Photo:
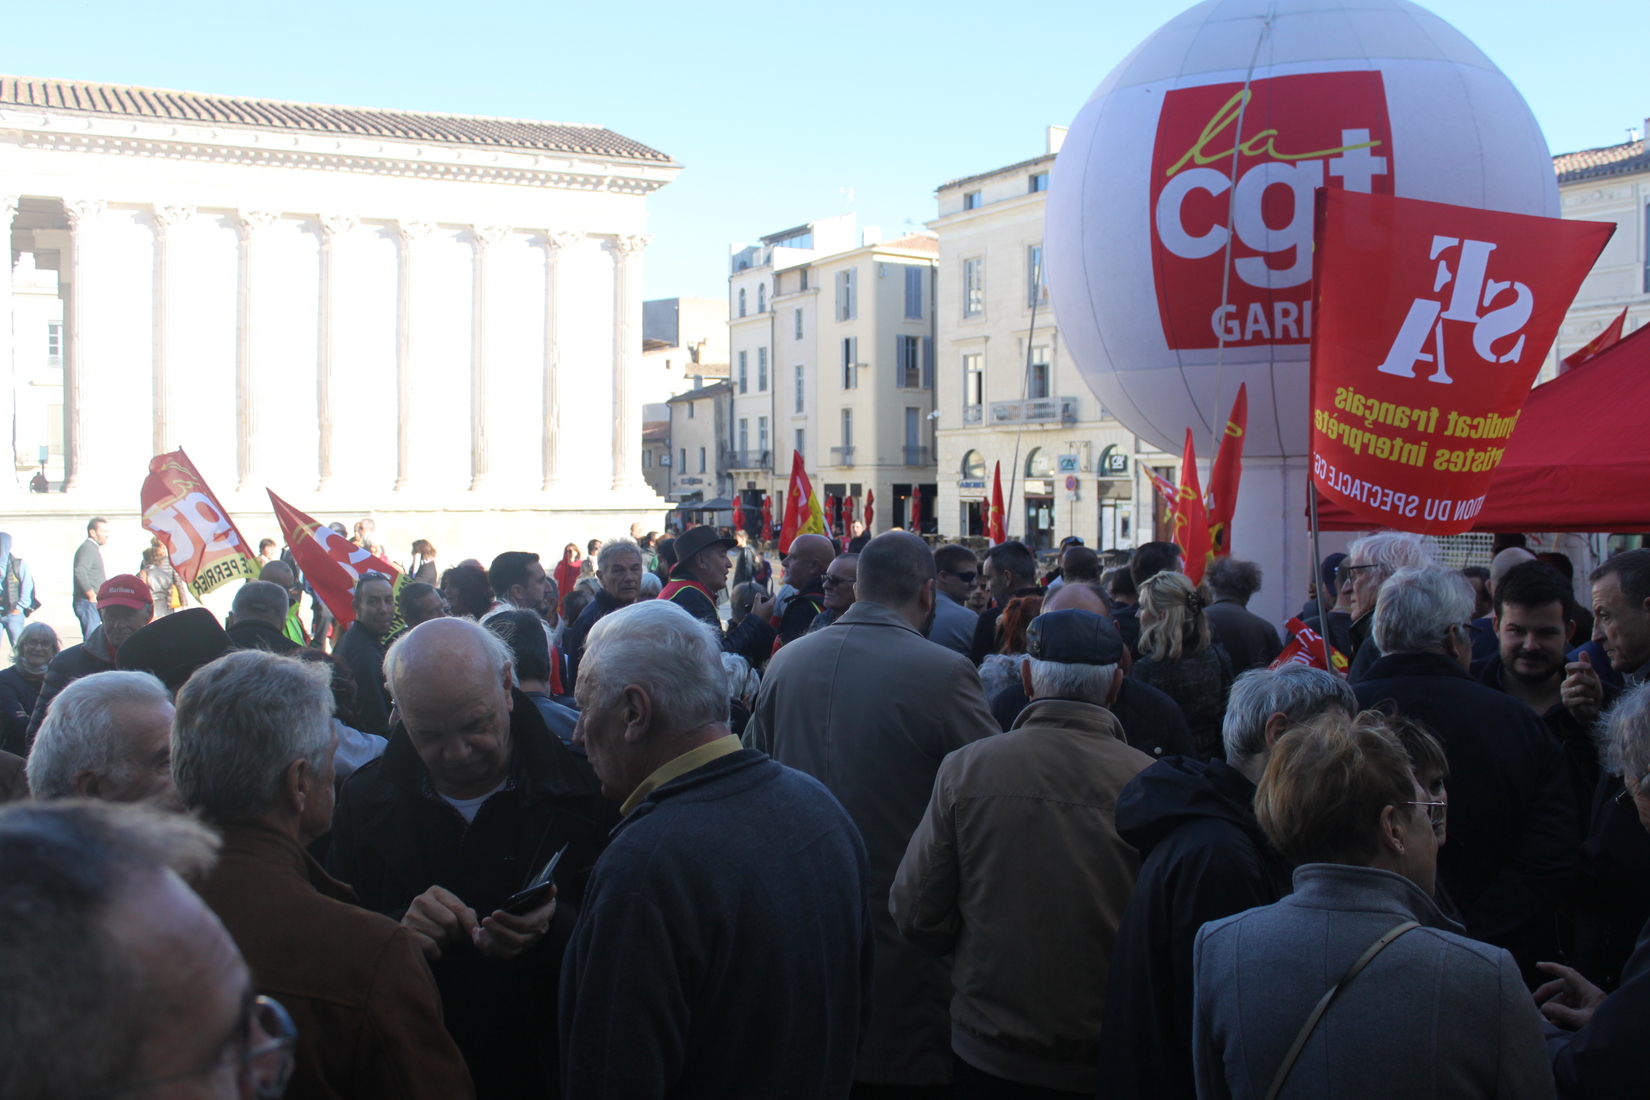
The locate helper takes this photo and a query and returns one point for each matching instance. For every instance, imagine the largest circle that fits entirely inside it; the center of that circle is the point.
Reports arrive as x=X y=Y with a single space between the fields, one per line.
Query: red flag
x=803 y=514
x=1602 y=342
x=1225 y=475
x=916 y=510
x=203 y=543
x=870 y=501
x=1191 y=519
x=331 y=563
x=1306 y=648
x=1431 y=323
x=739 y=511
x=767 y=518
x=996 y=524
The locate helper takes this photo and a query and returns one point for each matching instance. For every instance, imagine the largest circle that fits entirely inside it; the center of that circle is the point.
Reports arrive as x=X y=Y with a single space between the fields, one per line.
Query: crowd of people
x=870 y=819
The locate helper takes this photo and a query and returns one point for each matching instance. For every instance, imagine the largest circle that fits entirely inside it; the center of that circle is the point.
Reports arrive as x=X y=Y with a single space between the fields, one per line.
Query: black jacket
x=257 y=634
x=1513 y=840
x=364 y=654
x=393 y=838
x=1250 y=641
x=725 y=947
x=985 y=631
x=1606 y=1058
x=1127 y=618
x=17 y=696
x=1203 y=857
x=1611 y=900
x=572 y=642
x=1361 y=633
x=800 y=612
x=752 y=639
x=78 y=660
x=1152 y=722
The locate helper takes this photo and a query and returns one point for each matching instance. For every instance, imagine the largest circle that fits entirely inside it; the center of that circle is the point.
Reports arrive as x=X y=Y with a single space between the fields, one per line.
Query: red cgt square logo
x=1299 y=133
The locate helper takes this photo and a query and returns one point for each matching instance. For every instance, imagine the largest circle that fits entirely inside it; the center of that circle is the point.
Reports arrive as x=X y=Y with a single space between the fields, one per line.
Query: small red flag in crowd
x=996 y=524
x=1597 y=345
x=203 y=543
x=1191 y=519
x=1224 y=477
x=1306 y=648
x=870 y=500
x=767 y=518
x=331 y=563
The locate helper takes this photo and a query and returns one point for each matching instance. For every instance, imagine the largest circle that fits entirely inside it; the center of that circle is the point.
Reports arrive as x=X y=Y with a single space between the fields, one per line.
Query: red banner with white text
x=1432 y=322
x=203 y=543
x=331 y=563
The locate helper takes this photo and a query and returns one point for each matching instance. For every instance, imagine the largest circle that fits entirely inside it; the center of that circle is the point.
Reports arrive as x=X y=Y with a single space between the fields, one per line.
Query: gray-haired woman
x=1598 y=1041
x=20 y=684
x=1356 y=985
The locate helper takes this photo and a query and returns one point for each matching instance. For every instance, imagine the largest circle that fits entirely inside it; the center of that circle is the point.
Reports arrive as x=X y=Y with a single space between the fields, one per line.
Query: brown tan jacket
x=1017 y=871
x=367 y=1010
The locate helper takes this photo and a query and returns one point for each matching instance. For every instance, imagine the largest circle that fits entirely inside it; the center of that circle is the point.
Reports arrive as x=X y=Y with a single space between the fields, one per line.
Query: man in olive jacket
x=869 y=708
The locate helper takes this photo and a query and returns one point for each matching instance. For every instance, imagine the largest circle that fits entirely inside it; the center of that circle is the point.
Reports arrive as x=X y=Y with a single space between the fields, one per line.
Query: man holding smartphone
x=471 y=798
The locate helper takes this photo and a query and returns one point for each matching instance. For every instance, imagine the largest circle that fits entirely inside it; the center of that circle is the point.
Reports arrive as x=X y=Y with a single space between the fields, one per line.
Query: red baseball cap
x=124 y=591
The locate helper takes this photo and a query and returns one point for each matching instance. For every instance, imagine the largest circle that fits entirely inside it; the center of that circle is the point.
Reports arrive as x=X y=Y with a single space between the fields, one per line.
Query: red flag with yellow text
x=203 y=543
x=803 y=514
x=331 y=563
x=1191 y=518
x=1306 y=648
x=1225 y=475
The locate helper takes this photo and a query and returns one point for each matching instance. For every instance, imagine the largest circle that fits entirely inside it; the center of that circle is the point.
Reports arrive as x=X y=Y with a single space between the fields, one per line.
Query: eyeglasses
x=966 y=578
x=265 y=1057
x=1369 y=565
x=1625 y=798
x=1437 y=812
x=832 y=578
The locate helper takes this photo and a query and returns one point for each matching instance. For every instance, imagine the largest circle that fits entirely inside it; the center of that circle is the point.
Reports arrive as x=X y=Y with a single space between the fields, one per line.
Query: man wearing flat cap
x=697 y=580
x=1028 y=907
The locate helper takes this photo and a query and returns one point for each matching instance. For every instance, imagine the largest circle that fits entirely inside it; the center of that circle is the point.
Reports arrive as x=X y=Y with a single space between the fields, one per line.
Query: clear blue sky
x=773 y=108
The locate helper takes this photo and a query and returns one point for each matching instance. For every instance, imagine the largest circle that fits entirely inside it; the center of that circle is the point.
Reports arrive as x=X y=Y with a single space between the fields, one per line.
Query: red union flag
x=200 y=539
x=1432 y=323
x=331 y=563
x=1301 y=133
x=1306 y=648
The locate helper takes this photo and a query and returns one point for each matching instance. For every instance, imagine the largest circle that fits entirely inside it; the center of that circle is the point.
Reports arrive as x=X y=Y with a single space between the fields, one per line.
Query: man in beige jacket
x=1018 y=873
x=869 y=708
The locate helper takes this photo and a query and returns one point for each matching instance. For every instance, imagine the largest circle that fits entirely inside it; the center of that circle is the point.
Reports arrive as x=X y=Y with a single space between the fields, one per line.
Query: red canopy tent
x=1579 y=459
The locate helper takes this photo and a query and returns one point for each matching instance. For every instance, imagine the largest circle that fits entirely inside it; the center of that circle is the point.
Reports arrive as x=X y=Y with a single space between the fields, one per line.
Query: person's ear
x=637 y=711
x=509 y=682
x=297 y=784
x=1393 y=833
x=1276 y=724
x=87 y=784
x=1116 y=686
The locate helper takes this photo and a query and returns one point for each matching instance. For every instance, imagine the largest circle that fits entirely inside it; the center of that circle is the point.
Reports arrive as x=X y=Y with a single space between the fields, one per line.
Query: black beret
x=1074 y=638
x=174 y=646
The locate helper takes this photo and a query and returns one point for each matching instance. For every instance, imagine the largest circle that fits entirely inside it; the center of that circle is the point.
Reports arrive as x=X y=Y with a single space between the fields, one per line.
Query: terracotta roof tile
x=1610 y=160
x=508 y=133
x=916 y=242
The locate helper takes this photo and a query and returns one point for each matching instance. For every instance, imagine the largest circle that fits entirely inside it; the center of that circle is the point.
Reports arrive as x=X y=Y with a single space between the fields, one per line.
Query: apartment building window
x=914 y=362
x=743 y=370
x=913 y=294
x=1036 y=287
x=971 y=200
x=973 y=281
x=741 y=301
x=647 y=460
x=847 y=427
x=850 y=362
x=1039 y=181
x=744 y=434
x=762 y=434
x=701 y=460
x=801 y=442
x=799 y=387
x=54 y=344
x=973 y=380
x=761 y=297
x=846 y=293
x=913 y=436
x=1037 y=385
x=804 y=274
x=798 y=315
x=690 y=405
x=761 y=370
x=683 y=464
x=927 y=362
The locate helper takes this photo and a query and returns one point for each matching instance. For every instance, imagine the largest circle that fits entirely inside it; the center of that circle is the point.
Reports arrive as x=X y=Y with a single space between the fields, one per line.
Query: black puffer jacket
x=1203 y=857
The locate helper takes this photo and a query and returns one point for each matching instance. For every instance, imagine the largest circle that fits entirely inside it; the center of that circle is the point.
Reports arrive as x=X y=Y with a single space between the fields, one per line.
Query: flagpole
x=1317 y=569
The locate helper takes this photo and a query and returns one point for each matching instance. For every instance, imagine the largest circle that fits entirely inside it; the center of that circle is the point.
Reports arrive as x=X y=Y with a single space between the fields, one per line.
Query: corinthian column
x=555 y=462
x=167 y=218
x=8 y=373
x=83 y=216
x=486 y=236
x=409 y=234
x=627 y=351
x=247 y=453
x=333 y=226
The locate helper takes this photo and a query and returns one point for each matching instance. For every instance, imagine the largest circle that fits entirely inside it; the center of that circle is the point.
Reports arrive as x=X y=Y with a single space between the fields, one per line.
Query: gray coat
x=953 y=624
x=1435 y=1016
x=870 y=708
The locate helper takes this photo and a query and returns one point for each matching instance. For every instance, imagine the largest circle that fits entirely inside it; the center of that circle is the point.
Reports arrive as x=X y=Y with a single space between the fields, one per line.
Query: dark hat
x=699 y=538
x=174 y=646
x=1074 y=638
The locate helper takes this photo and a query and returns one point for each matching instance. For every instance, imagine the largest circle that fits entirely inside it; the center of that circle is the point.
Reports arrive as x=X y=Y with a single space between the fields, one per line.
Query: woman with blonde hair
x=1179 y=657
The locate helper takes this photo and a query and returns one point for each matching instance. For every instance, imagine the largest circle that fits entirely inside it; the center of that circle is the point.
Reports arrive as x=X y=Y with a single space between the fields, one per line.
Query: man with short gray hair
x=107 y=737
x=687 y=974
x=258 y=617
x=470 y=799
x=619 y=572
x=1369 y=562
x=1512 y=815
x=1251 y=641
x=870 y=708
x=1027 y=903
x=252 y=744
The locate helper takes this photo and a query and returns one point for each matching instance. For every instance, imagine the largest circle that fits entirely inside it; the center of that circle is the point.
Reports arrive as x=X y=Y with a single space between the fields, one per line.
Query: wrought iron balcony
x=918 y=456
x=1040 y=410
x=749 y=460
x=972 y=414
x=842 y=456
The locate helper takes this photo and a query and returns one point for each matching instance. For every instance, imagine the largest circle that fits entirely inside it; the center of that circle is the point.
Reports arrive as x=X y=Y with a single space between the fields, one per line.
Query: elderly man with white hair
x=470 y=800
x=1513 y=838
x=1369 y=562
x=252 y=748
x=725 y=944
x=1203 y=857
x=107 y=737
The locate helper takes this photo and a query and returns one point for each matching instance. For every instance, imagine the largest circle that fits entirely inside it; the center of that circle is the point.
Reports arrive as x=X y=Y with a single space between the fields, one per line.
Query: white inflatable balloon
x=1375 y=95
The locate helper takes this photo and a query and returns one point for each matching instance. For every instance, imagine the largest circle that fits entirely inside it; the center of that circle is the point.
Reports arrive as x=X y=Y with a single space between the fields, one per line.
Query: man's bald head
x=279 y=572
x=1077 y=596
x=807 y=559
x=433 y=656
x=451 y=681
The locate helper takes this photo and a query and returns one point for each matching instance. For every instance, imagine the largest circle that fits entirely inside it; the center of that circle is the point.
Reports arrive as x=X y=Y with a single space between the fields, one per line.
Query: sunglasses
x=966 y=578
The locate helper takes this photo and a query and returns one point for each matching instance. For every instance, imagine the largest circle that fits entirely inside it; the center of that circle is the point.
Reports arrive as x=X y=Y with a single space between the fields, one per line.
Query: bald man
x=1151 y=720
x=279 y=572
x=471 y=798
x=805 y=565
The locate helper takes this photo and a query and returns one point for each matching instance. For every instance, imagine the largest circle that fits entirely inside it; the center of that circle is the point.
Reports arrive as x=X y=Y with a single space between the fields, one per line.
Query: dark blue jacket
x=17 y=697
x=1605 y=1059
x=724 y=947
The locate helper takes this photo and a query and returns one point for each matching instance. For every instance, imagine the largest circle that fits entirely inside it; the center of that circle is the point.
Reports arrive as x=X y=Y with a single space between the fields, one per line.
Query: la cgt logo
x=1298 y=133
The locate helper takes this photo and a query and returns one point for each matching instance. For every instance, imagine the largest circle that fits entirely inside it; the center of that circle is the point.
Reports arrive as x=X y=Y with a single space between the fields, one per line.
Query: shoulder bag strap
x=1323 y=1004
